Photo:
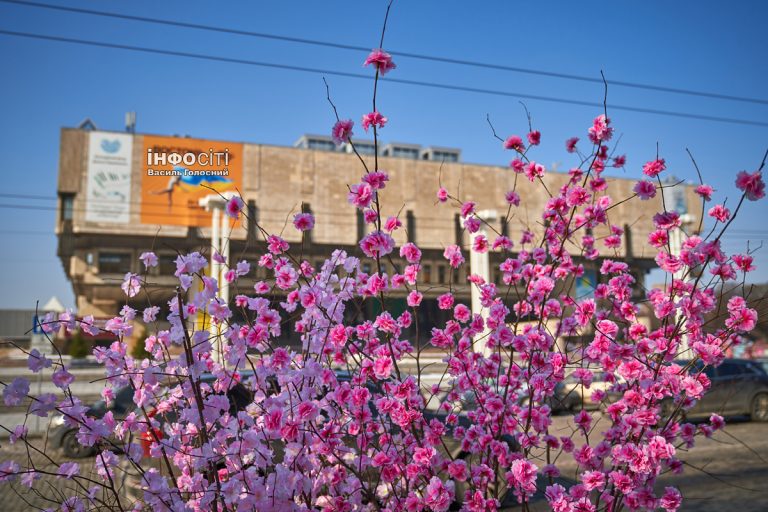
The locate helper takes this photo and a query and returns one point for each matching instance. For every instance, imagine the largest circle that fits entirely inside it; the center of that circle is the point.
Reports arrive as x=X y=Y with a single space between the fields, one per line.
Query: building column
x=479 y=264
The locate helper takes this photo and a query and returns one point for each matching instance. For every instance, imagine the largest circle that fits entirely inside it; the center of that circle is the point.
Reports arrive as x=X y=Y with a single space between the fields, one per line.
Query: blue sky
x=693 y=45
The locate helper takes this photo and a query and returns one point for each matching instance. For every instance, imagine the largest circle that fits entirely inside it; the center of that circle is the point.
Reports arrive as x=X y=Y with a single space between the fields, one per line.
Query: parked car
x=65 y=437
x=739 y=387
x=570 y=395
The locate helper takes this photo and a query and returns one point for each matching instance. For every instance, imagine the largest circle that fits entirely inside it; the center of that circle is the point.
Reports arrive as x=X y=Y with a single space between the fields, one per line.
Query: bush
x=78 y=347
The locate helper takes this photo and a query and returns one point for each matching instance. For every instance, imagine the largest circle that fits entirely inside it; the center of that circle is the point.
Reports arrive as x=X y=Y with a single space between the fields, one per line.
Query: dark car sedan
x=739 y=387
x=64 y=436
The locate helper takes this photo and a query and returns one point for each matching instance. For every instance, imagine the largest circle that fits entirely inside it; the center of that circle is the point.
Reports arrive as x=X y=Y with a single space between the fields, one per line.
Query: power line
x=433 y=58
x=434 y=85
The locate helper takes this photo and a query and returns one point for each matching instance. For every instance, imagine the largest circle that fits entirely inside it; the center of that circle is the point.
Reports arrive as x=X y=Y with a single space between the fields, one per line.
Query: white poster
x=108 y=196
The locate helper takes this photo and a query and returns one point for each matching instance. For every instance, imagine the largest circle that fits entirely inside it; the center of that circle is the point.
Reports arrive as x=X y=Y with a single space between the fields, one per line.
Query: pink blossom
x=131 y=284
x=534 y=137
x=342 y=131
x=381 y=60
x=370 y=216
x=534 y=170
x=303 y=221
x=392 y=223
x=376 y=179
x=467 y=208
x=570 y=144
x=705 y=191
x=719 y=212
x=234 y=206
x=453 y=254
x=442 y=195
x=445 y=301
x=600 y=131
x=514 y=142
x=512 y=198
x=480 y=244
x=382 y=367
x=360 y=195
x=654 y=167
x=373 y=119
x=620 y=161
x=744 y=262
x=276 y=245
x=752 y=185
x=414 y=298
x=522 y=476
x=410 y=252
x=671 y=500
x=149 y=259
x=377 y=244
x=437 y=495
x=645 y=189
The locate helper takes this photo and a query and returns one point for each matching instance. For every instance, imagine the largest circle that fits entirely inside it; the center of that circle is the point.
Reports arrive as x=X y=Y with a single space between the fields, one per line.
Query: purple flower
x=37 y=361
x=149 y=259
x=69 y=469
x=15 y=392
x=62 y=378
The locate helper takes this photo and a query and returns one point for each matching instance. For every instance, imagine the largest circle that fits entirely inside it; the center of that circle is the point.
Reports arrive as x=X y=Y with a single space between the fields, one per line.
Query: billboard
x=177 y=172
x=585 y=284
x=108 y=187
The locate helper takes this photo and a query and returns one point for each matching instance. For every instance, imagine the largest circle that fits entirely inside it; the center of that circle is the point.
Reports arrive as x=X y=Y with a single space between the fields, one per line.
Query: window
x=440 y=156
x=360 y=224
x=366 y=268
x=410 y=225
x=305 y=208
x=441 y=274
x=504 y=227
x=67 y=206
x=114 y=263
x=252 y=220
x=426 y=273
x=364 y=149
x=321 y=145
x=166 y=264
x=411 y=153
x=457 y=230
x=730 y=370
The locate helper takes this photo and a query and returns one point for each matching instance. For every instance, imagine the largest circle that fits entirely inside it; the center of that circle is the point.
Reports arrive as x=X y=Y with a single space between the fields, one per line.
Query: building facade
x=121 y=194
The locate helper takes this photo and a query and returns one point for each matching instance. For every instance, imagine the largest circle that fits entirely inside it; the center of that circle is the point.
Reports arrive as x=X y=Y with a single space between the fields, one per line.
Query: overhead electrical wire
x=434 y=85
x=412 y=55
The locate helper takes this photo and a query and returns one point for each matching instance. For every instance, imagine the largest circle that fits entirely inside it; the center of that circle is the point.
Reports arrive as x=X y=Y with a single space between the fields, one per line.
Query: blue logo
x=110 y=146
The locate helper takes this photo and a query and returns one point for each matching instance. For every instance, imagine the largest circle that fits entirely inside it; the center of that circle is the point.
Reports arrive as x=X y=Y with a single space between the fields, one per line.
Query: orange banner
x=178 y=172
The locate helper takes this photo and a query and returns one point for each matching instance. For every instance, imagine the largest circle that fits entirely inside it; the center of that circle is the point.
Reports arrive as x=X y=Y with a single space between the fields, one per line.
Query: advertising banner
x=108 y=189
x=177 y=172
x=586 y=284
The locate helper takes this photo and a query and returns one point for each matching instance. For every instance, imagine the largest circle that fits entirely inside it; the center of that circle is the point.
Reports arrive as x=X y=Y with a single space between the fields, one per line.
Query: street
x=732 y=471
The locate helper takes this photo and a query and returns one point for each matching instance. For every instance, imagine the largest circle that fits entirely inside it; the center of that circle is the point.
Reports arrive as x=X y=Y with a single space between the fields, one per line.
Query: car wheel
x=759 y=411
x=72 y=447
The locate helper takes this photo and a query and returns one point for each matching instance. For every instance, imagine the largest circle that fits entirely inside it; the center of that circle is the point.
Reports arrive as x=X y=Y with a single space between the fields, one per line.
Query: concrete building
x=114 y=206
